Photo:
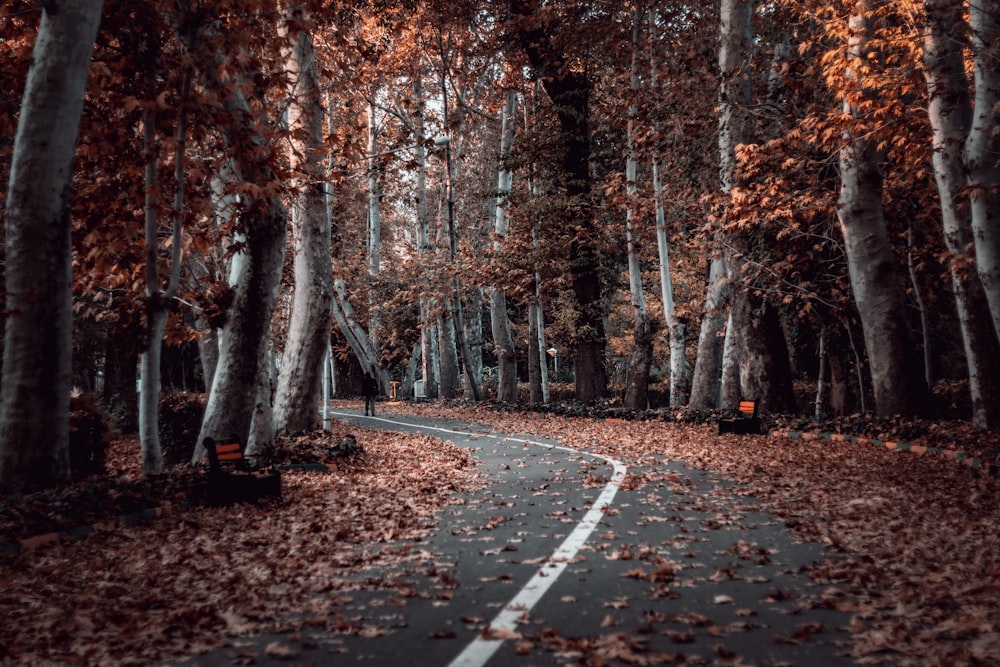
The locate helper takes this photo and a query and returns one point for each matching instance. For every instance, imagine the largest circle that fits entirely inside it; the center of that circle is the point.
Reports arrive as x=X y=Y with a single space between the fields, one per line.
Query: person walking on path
x=369 y=389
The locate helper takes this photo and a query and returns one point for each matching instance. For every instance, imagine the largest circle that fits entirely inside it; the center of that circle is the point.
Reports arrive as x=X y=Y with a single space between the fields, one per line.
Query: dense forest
x=659 y=203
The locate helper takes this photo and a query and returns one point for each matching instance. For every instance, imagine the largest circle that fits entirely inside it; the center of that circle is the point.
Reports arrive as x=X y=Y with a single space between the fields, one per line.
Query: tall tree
x=896 y=380
x=758 y=342
x=158 y=298
x=34 y=413
x=543 y=35
x=983 y=146
x=298 y=391
x=242 y=373
x=500 y=324
x=641 y=357
x=950 y=114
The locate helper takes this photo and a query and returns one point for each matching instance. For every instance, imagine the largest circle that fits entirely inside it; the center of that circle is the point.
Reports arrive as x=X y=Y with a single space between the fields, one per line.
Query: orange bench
x=744 y=422
x=231 y=479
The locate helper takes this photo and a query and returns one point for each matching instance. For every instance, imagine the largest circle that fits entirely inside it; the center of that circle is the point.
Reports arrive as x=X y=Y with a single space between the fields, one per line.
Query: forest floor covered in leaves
x=914 y=540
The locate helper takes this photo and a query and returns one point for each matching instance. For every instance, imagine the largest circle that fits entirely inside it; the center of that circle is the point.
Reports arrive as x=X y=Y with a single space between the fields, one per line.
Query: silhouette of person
x=369 y=389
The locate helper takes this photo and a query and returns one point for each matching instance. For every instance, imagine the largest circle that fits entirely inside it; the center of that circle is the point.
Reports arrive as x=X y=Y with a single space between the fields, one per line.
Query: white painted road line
x=504 y=625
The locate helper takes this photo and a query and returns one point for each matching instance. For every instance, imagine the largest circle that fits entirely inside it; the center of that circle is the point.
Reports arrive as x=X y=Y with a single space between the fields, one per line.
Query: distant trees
x=608 y=167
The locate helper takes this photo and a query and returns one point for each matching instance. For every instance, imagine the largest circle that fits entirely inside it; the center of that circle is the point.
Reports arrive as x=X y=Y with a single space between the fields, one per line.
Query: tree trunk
x=411 y=370
x=428 y=328
x=449 y=380
x=765 y=372
x=569 y=91
x=157 y=300
x=705 y=383
x=761 y=354
x=504 y=345
x=500 y=324
x=680 y=377
x=822 y=378
x=208 y=351
x=643 y=330
x=950 y=115
x=456 y=307
x=299 y=383
x=982 y=148
x=234 y=394
x=474 y=339
x=730 y=391
x=431 y=367
x=34 y=415
x=260 y=440
x=359 y=341
x=535 y=360
x=897 y=382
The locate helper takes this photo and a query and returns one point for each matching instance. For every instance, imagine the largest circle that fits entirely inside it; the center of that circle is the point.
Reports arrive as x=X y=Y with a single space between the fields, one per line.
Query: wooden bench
x=231 y=479
x=744 y=422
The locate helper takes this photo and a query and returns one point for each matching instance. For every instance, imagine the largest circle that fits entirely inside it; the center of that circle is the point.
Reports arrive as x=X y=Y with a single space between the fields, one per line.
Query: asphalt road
x=564 y=557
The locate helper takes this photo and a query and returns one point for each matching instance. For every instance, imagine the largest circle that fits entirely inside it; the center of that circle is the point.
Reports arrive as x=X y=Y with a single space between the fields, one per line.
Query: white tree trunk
x=730 y=392
x=428 y=329
x=454 y=305
x=34 y=415
x=299 y=382
x=680 y=371
x=897 y=382
x=950 y=115
x=680 y=378
x=537 y=313
x=499 y=321
x=157 y=300
x=474 y=336
x=357 y=338
x=705 y=383
x=234 y=395
x=641 y=357
x=982 y=148
x=709 y=384
x=450 y=381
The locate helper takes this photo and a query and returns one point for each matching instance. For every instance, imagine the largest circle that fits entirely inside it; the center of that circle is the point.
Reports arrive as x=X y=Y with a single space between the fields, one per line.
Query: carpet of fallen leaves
x=914 y=540
x=177 y=584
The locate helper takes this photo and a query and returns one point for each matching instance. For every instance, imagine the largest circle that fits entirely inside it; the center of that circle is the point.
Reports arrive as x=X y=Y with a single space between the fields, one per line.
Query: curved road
x=563 y=556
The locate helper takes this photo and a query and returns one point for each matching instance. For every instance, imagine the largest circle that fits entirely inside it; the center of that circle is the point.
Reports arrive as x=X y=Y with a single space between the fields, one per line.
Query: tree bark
x=234 y=395
x=643 y=330
x=157 y=300
x=359 y=341
x=761 y=354
x=680 y=376
x=474 y=339
x=299 y=382
x=569 y=91
x=705 y=383
x=499 y=322
x=34 y=414
x=449 y=381
x=428 y=328
x=982 y=148
x=950 y=114
x=535 y=360
x=896 y=380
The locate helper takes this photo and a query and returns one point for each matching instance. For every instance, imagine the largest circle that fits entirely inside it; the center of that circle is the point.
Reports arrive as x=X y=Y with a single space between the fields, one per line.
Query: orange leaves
x=184 y=581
